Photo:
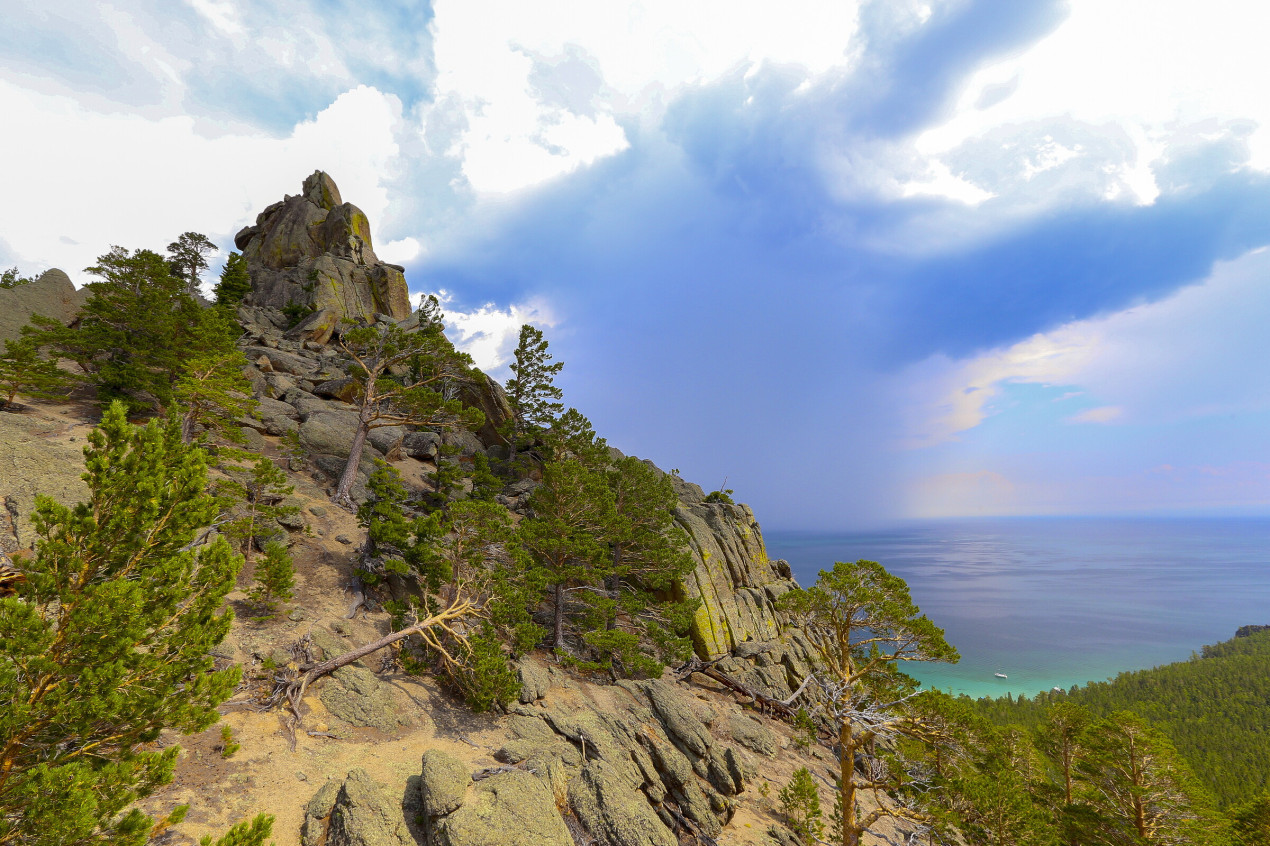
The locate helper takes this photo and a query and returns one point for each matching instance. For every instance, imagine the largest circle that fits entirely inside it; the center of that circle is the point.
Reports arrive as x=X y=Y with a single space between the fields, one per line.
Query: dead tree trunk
x=430 y=629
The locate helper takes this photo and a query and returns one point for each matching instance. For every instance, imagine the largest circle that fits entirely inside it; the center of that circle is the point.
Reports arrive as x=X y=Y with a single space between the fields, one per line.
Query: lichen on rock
x=314 y=251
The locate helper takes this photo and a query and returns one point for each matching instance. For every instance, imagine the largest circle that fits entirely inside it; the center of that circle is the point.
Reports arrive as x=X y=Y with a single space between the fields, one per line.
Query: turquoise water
x=1061 y=601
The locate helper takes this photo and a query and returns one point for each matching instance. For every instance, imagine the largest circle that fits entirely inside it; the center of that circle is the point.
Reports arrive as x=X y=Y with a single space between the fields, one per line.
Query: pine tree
x=1060 y=738
x=468 y=546
x=648 y=555
x=274 y=577
x=255 y=497
x=421 y=396
x=398 y=541
x=531 y=391
x=213 y=394
x=1140 y=787
x=235 y=282
x=108 y=641
x=12 y=278
x=571 y=511
x=862 y=622
x=187 y=256
x=800 y=802
x=137 y=330
x=24 y=372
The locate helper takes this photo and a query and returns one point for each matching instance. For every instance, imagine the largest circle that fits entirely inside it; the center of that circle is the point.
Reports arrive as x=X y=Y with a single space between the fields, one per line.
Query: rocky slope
x=388 y=759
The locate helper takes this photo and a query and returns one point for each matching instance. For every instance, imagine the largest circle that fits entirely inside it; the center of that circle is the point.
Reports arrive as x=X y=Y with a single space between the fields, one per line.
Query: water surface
x=1061 y=601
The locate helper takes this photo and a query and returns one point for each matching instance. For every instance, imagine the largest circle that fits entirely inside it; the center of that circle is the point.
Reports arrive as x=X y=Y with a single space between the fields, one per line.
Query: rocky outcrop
x=650 y=764
x=52 y=295
x=737 y=583
x=356 y=812
x=303 y=387
x=37 y=456
x=314 y=250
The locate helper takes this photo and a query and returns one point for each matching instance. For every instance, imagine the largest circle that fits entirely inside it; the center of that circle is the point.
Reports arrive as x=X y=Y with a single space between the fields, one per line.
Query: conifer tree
x=648 y=553
x=213 y=393
x=468 y=546
x=422 y=396
x=1060 y=738
x=12 y=278
x=1142 y=790
x=571 y=512
x=274 y=577
x=256 y=497
x=137 y=330
x=235 y=282
x=800 y=802
x=24 y=372
x=862 y=622
x=107 y=642
x=187 y=256
x=397 y=541
x=531 y=391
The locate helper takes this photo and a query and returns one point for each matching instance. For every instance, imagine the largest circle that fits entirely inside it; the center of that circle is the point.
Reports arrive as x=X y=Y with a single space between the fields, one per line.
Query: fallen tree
x=444 y=632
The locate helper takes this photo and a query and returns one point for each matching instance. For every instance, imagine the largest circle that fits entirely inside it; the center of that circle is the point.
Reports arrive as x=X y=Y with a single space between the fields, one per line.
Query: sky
x=858 y=262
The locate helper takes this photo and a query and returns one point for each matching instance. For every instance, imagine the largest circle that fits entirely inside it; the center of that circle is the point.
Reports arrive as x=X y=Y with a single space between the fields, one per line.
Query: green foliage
x=296 y=312
x=138 y=330
x=23 y=371
x=424 y=396
x=213 y=393
x=485 y=482
x=398 y=542
x=862 y=624
x=1212 y=708
x=12 y=278
x=571 y=510
x=471 y=545
x=724 y=496
x=235 y=282
x=806 y=734
x=187 y=256
x=274 y=577
x=800 y=802
x=253 y=498
x=1252 y=822
x=254 y=833
x=485 y=679
x=531 y=391
x=228 y=746
x=117 y=615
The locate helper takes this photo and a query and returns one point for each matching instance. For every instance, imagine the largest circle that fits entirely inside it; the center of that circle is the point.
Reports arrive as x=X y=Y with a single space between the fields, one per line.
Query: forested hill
x=1214 y=707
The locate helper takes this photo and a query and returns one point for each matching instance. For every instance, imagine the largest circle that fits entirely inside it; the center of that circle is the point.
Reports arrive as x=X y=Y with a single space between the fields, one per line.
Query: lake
x=1060 y=601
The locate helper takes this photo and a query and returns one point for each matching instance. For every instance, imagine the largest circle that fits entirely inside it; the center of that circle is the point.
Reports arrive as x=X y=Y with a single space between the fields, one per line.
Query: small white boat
x=1001 y=675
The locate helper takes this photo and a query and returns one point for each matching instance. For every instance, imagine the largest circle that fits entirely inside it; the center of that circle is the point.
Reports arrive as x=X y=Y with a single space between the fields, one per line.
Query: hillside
x=1213 y=707
x=576 y=757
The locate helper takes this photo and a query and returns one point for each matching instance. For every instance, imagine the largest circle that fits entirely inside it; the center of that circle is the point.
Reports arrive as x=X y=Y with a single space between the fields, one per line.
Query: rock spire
x=314 y=250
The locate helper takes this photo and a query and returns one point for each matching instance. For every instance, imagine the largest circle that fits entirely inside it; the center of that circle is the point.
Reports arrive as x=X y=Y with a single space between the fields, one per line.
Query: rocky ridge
x=649 y=762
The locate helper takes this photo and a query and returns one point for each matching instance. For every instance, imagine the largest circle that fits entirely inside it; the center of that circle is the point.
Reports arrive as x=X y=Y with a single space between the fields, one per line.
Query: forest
x=1212 y=707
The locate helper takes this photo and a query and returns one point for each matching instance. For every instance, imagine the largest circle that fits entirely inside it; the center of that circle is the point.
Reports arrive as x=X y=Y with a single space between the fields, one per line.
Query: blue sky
x=863 y=261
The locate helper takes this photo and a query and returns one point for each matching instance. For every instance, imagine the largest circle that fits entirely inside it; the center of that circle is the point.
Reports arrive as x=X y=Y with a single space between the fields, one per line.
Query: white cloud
x=1202 y=351
x=1144 y=70
x=541 y=87
x=91 y=179
x=220 y=14
x=489 y=334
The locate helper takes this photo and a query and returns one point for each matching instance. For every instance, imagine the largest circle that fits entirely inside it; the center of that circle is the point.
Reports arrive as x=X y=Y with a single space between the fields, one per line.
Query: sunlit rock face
x=313 y=251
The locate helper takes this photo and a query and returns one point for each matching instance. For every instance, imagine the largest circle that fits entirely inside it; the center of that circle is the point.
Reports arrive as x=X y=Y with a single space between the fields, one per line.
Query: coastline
x=1060 y=601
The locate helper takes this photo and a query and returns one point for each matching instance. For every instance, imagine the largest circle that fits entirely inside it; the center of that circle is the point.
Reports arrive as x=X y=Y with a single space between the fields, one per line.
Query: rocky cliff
x=314 y=251
x=52 y=295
